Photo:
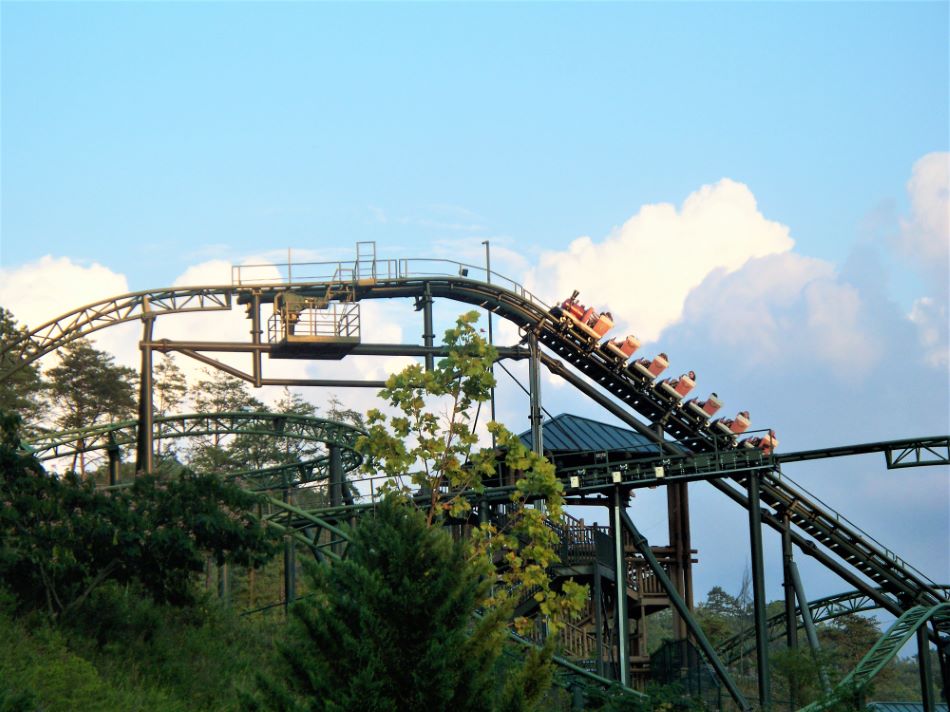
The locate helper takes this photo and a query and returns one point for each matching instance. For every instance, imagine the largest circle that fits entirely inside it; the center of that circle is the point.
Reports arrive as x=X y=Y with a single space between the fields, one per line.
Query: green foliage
x=87 y=388
x=40 y=672
x=122 y=652
x=20 y=392
x=391 y=626
x=60 y=538
x=169 y=386
x=428 y=452
x=429 y=448
x=201 y=655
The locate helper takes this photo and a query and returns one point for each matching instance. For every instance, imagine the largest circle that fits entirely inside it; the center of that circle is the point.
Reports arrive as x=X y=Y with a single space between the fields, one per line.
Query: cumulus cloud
x=644 y=270
x=924 y=238
x=781 y=309
x=925 y=234
x=933 y=329
x=41 y=291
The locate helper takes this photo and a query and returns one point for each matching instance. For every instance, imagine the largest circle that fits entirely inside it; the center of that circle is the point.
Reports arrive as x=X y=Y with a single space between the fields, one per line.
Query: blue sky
x=154 y=138
x=150 y=131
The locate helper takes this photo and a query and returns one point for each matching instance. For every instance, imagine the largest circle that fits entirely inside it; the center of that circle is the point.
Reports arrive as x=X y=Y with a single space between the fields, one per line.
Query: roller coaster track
x=822 y=609
x=276 y=425
x=902 y=586
x=684 y=433
x=883 y=652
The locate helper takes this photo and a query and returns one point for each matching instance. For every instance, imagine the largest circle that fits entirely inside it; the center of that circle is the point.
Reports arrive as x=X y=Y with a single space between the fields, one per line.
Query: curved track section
x=822 y=609
x=275 y=425
x=882 y=653
x=127 y=307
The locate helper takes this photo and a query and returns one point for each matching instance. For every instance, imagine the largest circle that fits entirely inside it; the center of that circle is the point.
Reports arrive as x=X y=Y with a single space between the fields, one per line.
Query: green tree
x=169 y=385
x=87 y=388
x=340 y=413
x=391 y=626
x=428 y=451
x=223 y=393
x=21 y=391
x=60 y=538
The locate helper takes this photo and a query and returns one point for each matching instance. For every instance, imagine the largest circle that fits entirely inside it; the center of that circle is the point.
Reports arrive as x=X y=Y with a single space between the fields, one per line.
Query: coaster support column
x=144 y=446
x=534 y=378
x=758 y=593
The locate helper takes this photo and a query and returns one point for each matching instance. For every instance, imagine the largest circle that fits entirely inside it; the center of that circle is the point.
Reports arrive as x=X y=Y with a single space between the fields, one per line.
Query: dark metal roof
x=566 y=432
x=903 y=707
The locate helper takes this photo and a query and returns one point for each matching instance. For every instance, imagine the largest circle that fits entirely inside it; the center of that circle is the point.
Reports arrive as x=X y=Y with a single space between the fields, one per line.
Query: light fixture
x=658 y=472
x=616 y=476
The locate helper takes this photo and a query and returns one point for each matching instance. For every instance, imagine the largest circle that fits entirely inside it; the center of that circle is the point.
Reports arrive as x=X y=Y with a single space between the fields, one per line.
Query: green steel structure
x=821 y=609
x=883 y=651
x=315 y=315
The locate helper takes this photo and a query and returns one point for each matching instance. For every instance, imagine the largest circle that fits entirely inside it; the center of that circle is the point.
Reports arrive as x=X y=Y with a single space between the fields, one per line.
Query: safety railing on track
x=295 y=273
x=788 y=488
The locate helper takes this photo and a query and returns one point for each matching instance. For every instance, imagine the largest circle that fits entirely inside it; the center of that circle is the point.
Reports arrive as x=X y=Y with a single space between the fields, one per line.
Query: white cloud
x=784 y=311
x=925 y=235
x=931 y=319
x=924 y=238
x=644 y=270
x=214 y=272
x=41 y=291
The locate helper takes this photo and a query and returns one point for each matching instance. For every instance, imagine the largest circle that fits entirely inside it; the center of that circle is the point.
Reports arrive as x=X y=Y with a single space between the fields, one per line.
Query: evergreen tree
x=87 y=388
x=169 y=386
x=20 y=391
x=391 y=627
x=223 y=393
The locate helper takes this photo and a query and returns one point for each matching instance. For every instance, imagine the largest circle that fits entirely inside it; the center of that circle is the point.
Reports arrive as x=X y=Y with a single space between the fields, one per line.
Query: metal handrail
x=297 y=273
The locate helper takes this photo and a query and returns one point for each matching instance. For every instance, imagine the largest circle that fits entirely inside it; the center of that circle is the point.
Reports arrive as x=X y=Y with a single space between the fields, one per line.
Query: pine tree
x=391 y=627
x=20 y=392
x=87 y=388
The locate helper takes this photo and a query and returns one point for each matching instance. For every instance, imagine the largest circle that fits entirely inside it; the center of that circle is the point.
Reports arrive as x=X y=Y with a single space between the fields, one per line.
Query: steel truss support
x=144 y=445
x=788 y=560
x=788 y=587
x=290 y=554
x=677 y=499
x=428 y=335
x=596 y=601
x=923 y=665
x=534 y=382
x=758 y=593
x=336 y=484
x=643 y=546
x=255 y=312
x=621 y=618
x=943 y=658
x=115 y=460
x=811 y=633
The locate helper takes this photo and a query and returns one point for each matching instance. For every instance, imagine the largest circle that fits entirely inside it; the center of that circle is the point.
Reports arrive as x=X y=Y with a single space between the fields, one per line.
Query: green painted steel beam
x=909 y=452
x=882 y=652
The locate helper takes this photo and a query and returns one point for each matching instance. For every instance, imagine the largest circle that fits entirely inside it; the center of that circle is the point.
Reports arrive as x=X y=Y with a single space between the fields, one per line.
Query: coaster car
x=650 y=369
x=733 y=427
x=587 y=320
x=621 y=350
x=767 y=443
x=705 y=409
x=679 y=387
